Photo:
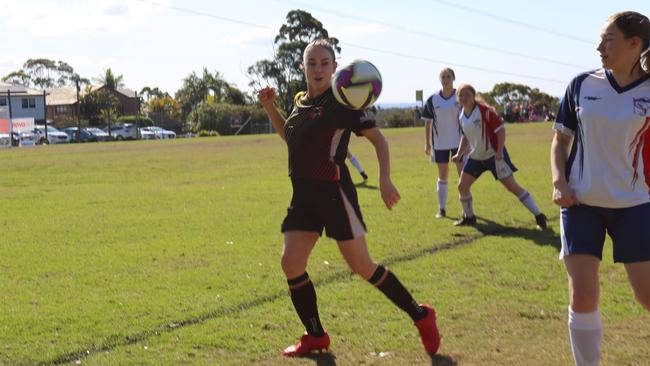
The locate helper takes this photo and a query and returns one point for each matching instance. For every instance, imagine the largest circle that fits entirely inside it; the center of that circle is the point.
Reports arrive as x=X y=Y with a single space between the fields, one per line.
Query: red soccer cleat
x=307 y=344
x=429 y=331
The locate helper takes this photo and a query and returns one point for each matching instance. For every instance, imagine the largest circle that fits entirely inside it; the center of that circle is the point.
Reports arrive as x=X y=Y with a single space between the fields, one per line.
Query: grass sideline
x=167 y=252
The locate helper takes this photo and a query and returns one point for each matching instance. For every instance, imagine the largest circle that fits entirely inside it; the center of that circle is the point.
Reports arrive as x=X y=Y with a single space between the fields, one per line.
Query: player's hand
x=427 y=149
x=266 y=96
x=564 y=196
x=456 y=158
x=389 y=193
x=498 y=155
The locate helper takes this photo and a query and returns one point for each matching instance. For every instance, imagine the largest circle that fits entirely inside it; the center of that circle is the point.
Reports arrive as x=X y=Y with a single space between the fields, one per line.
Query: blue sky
x=159 y=42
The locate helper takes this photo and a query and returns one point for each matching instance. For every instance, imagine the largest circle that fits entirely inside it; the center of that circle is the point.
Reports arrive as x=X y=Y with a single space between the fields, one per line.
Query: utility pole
x=76 y=81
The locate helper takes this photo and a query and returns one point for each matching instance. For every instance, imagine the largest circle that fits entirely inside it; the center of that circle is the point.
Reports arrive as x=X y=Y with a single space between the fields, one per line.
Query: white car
x=160 y=132
x=99 y=133
x=5 y=140
x=147 y=135
x=126 y=131
x=54 y=136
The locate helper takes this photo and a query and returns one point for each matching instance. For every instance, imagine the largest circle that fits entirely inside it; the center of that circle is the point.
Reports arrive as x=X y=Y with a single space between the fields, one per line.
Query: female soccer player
x=600 y=162
x=484 y=136
x=442 y=133
x=317 y=133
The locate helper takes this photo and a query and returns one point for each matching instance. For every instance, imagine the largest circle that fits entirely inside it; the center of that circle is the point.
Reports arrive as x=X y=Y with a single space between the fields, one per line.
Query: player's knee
x=365 y=269
x=292 y=266
x=584 y=299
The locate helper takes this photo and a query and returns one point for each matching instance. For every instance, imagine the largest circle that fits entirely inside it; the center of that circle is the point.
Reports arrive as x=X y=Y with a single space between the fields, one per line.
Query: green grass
x=168 y=253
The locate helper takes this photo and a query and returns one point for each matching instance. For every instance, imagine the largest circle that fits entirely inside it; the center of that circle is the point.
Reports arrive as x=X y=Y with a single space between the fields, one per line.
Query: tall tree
x=111 y=83
x=43 y=73
x=283 y=71
x=207 y=88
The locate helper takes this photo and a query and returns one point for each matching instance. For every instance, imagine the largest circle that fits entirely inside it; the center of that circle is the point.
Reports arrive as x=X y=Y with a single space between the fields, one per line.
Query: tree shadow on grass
x=322 y=359
x=442 y=360
x=541 y=237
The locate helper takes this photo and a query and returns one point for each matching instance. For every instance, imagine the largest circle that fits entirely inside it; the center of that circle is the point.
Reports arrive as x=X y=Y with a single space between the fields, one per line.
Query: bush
x=143 y=120
x=226 y=118
x=206 y=133
x=396 y=117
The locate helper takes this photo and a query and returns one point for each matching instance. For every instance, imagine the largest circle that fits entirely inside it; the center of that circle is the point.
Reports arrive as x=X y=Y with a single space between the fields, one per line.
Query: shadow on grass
x=322 y=359
x=484 y=227
x=442 y=360
x=541 y=237
x=365 y=185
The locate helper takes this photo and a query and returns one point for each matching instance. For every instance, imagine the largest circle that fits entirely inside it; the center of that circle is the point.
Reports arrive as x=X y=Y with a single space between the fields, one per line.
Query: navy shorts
x=583 y=229
x=317 y=204
x=442 y=156
x=476 y=167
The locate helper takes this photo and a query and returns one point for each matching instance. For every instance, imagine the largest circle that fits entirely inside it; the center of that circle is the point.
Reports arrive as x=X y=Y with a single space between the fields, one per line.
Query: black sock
x=303 y=296
x=387 y=283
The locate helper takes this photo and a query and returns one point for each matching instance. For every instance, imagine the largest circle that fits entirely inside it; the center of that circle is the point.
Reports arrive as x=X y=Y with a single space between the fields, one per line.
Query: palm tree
x=111 y=83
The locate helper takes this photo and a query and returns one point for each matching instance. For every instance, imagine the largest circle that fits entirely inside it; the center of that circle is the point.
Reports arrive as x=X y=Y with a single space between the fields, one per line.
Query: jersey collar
x=619 y=90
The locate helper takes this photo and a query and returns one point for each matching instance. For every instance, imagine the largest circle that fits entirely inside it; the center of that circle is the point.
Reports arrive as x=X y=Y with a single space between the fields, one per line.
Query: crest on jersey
x=316 y=112
x=642 y=106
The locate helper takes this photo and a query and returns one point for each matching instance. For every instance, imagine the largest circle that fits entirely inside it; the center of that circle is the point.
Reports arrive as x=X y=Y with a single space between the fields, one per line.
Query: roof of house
x=18 y=90
x=68 y=96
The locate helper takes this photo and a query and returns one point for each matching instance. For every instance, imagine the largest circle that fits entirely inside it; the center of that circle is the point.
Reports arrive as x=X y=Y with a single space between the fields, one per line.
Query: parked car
x=125 y=131
x=160 y=132
x=24 y=139
x=54 y=136
x=99 y=133
x=147 y=135
x=77 y=135
x=5 y=140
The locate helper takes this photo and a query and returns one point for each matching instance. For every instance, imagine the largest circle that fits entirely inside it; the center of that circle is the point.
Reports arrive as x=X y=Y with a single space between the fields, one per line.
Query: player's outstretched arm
x=267 y=96
x=389 y=192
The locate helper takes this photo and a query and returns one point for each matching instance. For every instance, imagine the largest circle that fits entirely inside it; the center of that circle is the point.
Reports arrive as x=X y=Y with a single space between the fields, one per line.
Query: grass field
x=167 y=252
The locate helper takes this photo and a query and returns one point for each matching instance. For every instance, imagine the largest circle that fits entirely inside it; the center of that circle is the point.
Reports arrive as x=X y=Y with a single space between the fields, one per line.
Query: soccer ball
x=357 y=85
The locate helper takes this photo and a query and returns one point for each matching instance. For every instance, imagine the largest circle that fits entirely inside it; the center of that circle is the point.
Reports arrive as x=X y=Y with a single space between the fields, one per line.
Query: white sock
x=355 y=162
x=466 y=203
x=442 y=194
x=529 y=202
x=586 y=334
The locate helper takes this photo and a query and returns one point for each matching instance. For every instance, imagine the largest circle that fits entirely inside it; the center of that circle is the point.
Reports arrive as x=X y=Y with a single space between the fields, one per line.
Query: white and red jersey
x=443 y=114
x=480 y=128
x=609 y=163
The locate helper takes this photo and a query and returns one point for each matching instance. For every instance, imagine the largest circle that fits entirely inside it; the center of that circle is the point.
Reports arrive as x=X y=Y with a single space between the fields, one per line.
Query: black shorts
x=476 y=167
x=331 y=205
x=442 y=156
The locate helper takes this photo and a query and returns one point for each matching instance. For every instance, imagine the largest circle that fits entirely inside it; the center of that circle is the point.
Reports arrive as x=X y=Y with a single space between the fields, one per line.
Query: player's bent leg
x=466 y=201
x=638 y=274
x=585 y=326
x=356 y=254
x=526 y=199
x=295 y=253
x=297 y=247
x=511 y=185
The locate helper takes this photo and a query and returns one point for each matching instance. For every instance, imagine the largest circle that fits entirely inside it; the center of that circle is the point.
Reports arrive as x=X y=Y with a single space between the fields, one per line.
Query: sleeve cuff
x=562 y=128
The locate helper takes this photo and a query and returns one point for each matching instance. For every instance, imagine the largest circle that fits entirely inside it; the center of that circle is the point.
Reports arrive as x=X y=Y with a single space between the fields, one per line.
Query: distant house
x=62 y=102
x=24 y=103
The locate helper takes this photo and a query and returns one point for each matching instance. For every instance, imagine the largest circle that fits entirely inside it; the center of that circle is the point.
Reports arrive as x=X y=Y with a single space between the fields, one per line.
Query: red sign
x=4 y=126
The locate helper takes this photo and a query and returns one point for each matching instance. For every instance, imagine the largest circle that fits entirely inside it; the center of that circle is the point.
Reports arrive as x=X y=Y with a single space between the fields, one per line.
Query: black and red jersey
x=318 y=133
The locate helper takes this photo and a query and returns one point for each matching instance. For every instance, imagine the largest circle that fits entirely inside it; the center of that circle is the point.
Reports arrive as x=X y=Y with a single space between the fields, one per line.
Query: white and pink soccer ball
x=357 y=85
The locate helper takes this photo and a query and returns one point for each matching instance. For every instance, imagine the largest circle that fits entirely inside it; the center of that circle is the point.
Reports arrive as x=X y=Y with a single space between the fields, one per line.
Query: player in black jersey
x=317 y=133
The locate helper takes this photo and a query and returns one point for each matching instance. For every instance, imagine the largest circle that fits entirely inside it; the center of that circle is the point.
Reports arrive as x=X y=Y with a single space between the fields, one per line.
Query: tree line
x=204 y=98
